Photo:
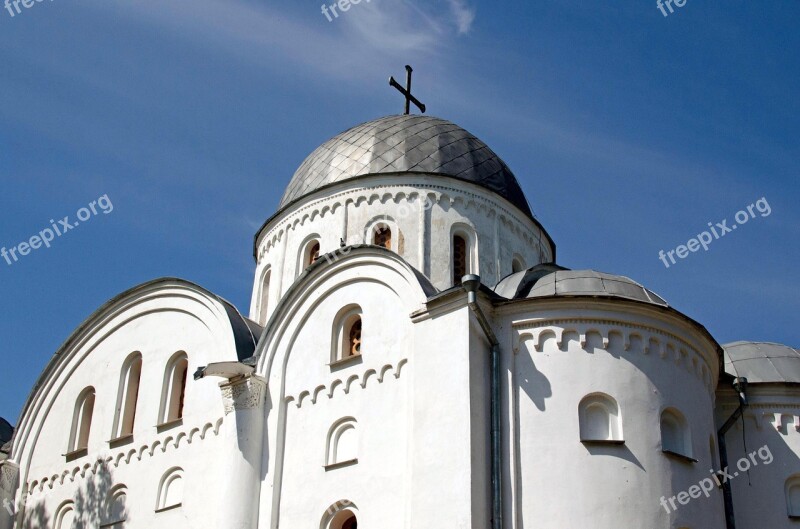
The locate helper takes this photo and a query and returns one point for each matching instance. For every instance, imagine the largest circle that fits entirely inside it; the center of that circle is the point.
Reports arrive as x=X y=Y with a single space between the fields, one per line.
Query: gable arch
x=204 y=320
x=320 y=292
x=386 y=268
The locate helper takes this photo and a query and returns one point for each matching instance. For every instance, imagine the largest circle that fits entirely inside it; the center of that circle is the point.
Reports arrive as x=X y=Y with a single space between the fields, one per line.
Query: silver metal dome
x=762 y=362
x=550 y=280
x=406 y=143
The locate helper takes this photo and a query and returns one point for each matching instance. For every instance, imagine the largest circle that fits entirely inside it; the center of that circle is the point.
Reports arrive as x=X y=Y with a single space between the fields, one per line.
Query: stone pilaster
x=243 y=430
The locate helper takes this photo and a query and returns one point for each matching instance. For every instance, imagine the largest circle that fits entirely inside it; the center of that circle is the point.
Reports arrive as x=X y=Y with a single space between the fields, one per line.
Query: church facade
x=413 y=357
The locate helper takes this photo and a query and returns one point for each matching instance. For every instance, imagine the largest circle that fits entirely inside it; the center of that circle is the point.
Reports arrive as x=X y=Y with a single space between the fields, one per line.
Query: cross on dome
x=407 y=91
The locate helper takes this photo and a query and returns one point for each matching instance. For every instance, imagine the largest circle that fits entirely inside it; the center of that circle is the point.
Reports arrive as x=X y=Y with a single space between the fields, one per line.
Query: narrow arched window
x=517 y=265
x=128 y=396
x=675 y=435
x=82 y=421
x=793 y=496
x=170 y=490
x=382 y=237
x=263 y=306
x=173 y=392
x=459 y=258
x=347 y=329
x=599 y=419
x=354 y=338
x=312 y=253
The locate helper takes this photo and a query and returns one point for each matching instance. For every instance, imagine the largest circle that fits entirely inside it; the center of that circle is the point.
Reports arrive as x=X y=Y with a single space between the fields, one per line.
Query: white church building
x=412 y=358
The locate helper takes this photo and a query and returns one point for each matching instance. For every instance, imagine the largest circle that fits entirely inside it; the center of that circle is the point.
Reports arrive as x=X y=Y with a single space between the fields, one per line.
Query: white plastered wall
x=156 y=320
x=558 y=351
x=424 y=209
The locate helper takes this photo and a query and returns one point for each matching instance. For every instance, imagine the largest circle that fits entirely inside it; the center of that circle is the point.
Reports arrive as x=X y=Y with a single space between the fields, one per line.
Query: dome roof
x=406 y=143
x=551 y=280
x=762 y=362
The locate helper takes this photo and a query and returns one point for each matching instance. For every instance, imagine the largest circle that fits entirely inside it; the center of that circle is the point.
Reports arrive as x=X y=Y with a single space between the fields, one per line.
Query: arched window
x=599 y=419
x=460 y=258
x=344 y=520
x=82 y=421
x=127 y=396
x=342 y=443
x=173 y=392
x=382 y=236
x=263 y=302
x=311 y=253
x=793 y=496
x=116 y=510
x=65 y=516
x=347 y=329
x=170 y=490
x=340 y=515
x=675 y=435
x=517 y=264
x=353 y=345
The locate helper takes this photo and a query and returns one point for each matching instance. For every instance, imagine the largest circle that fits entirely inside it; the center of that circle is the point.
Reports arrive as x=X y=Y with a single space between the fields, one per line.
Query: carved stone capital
x=243 y=394
x=8 y=476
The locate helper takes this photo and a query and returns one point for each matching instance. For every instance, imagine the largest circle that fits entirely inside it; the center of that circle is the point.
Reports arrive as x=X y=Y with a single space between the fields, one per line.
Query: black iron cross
x=407 y=91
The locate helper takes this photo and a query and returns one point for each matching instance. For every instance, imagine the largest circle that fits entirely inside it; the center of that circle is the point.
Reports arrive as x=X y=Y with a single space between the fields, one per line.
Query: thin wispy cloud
x=464 y=15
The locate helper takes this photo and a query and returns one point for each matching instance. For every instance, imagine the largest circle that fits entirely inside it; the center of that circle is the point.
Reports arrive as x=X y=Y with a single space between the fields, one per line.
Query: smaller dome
x=762 y=362
x=552 y=280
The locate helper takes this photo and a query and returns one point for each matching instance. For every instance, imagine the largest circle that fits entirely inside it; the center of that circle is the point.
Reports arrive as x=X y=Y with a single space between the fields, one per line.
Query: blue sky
x=629 y=132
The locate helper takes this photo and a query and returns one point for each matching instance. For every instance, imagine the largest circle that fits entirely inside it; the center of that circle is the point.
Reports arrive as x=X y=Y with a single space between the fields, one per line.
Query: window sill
x=171 y=507
x=680 y=457
x=163 y=427
x=120 y=441
x=603 y=441
x=76 y=454
x=345 y=362
x=112 y=524
x=341 y=464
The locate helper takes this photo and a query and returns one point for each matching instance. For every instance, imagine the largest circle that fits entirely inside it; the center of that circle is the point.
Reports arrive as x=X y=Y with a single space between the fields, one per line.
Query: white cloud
x=464 y=15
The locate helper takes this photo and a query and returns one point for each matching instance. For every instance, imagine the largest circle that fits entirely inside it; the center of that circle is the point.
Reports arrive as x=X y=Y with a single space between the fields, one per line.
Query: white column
x=243 y=431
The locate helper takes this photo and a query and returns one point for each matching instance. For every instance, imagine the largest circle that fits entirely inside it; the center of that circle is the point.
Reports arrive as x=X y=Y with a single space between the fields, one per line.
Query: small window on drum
x=347 y=329
x=460 y=259
x=311 y=253
x=382 y=237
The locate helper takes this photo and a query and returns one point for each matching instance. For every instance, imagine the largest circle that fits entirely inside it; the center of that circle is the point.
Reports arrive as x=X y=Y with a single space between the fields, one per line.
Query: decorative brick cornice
x=636 y=339
x=359 y=380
